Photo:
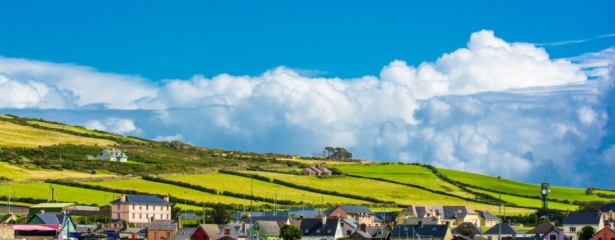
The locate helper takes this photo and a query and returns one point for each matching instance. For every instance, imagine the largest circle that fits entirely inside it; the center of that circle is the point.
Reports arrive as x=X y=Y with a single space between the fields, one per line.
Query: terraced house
x=141 y=209
x=362 y=214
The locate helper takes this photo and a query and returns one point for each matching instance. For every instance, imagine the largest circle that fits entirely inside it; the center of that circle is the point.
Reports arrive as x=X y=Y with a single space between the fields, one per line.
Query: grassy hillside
x=14 y=135
x=63 y=193
x=411 y=174
x=237 y=184
x=510 y=186
x=19 y=173
x=528 y=202
x=399 y=194
x=164 y=189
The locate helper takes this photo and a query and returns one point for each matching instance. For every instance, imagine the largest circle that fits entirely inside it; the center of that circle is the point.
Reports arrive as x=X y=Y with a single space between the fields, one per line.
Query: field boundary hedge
x=214 y=191
x=311 y=189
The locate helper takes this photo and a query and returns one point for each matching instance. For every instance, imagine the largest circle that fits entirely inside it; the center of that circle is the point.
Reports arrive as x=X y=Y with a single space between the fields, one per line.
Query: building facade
x=141 y=209
x=113 y=154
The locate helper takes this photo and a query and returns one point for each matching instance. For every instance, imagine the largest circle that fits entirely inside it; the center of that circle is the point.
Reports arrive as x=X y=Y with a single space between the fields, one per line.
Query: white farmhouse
x=112 y=155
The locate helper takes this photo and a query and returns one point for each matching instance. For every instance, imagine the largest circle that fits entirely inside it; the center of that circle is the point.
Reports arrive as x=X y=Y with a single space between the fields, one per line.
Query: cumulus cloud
x=114 y=125
x=492 y=107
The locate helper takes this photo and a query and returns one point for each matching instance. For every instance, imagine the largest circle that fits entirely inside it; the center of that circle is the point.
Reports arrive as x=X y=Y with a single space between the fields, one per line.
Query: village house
x=113 y=154
x=382 y=232
x=141 y=209
x=320 y=228
x=507 y=230
x=231 y=232
x=607 y=212
x=448 y=215
x=206 y=232
x=573 y=222
x=318 y=170
x=487 y=219
x=265 y=230
x=465 y=228
x=424 y=232
x=547 y=231
x=64 y=221
x=361 y=214
x=163 y=229
x=606 y=233
x=349 y=226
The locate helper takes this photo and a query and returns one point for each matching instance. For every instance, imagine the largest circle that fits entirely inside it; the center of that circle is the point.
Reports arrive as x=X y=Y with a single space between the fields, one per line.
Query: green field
x=381 y=190
x=522 y=188
x=164 y=189
x=237 y=184
x=63 y=193
x=14 y=135
x=411 y=174
x=528 y=202
x=16 y=173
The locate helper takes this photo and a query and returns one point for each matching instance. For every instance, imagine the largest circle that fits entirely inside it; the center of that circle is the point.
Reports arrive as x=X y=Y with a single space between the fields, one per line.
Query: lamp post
x=185 y=205
x=303 y=208
x=251 y=198
x=500 y=208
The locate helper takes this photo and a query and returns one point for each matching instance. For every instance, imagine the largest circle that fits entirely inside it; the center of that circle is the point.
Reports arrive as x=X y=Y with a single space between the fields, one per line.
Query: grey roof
x=475 y=230
x=375 y=232
x=535 y=237
x=314 y=227
x=582 y=218
x=272 y=228
x=266 y=218
x=542 y=228
x=415 y=221
x=51 y=218
x=115 y=152
x=453 y=212
x=162 y=225
x=507 y=229
x=428 y=230
x=8 y=217
x=352 y=209
x=184 y=233
x=147 y=199
x=608 y=207
x=487 y=215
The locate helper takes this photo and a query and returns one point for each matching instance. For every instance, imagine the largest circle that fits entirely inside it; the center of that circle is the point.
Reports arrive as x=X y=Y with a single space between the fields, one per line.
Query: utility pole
x=500 y=209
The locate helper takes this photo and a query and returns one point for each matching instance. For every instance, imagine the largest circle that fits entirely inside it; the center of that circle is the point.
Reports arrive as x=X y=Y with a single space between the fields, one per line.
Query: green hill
x=36 y=149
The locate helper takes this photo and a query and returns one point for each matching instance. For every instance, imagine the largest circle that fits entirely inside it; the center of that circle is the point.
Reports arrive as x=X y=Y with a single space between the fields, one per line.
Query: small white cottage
x=112 y=155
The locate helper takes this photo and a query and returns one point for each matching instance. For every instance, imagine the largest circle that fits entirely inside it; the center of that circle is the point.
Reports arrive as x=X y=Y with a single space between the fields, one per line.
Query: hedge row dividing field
x=520 y=188
x=226 y=182
x=386 y=191
x=528 y=202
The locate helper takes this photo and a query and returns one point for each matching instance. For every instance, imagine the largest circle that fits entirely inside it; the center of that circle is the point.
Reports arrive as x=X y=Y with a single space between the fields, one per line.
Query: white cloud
x=482 y=108
x=114 y=125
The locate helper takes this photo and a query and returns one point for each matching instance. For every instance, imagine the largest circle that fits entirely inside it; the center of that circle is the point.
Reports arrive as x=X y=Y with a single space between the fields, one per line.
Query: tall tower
x=545 y=189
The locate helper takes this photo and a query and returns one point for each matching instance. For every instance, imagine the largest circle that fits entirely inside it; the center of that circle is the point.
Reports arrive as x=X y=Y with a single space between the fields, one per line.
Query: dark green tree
x=220 y=213
x=586 y=233
x=290 y=232
x=589 y=191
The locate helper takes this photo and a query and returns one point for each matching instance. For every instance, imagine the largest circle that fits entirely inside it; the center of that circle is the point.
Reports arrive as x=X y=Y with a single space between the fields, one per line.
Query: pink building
x=141 y=209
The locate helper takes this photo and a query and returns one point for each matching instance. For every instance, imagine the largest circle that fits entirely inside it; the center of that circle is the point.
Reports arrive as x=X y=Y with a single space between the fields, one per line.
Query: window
x=167 y=207
x=329 y=231
x=307 y=231
x=133 y=207
x=118 y=216
x=160 y=216
x=155 y=235
x=133 y=215
x=599 y=238
x=146 y=207
x=227 y=231
x=140 y=216
x=118 y=207
x=552 y=237
x=168 y=235
x=573 y=229
x=168 y=216
x=489 y=238
x=318 y=231
x=348 y=232
x=147 y=216
x=140 y=207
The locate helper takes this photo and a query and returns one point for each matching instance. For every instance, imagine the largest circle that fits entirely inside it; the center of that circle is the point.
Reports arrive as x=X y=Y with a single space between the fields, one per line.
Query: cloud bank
x=492 y=107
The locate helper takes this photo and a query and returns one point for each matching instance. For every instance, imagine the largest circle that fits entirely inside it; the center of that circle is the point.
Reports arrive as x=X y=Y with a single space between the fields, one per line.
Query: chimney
x=324 y=220
x=42 y=211
x=179 y=222
x=123 y=198
x=363 y=228
x=166 y=198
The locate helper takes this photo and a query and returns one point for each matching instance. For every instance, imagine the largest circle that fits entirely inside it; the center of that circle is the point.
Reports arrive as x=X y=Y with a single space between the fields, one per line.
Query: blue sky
x=160 y=40
x=505 y=88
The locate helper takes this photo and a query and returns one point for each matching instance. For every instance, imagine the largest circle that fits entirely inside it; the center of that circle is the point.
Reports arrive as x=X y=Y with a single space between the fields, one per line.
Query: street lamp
x=500 y=208
x=303 y=208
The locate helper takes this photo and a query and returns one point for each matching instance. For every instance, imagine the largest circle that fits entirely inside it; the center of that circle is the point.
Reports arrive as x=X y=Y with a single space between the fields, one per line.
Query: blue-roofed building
x=141 y=209
x=66 y=222
x=573 y=222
